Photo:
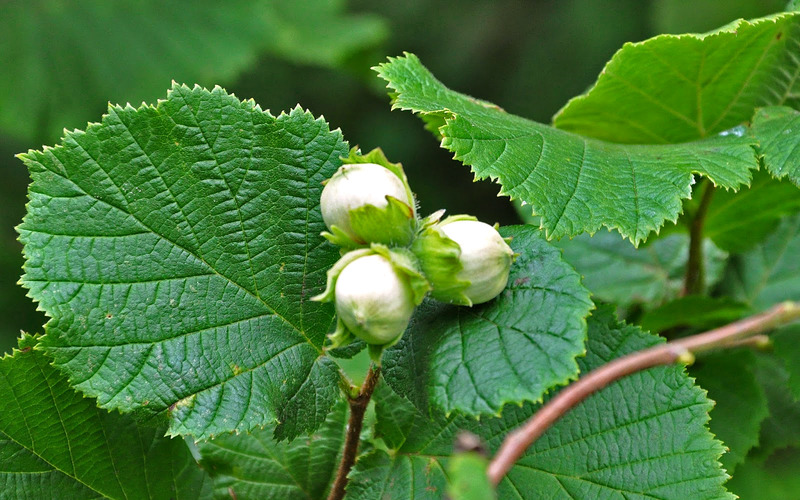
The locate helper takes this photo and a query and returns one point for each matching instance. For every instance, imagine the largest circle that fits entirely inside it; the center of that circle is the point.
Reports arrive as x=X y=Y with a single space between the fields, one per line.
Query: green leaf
x=176 y=248
x=616 y=271
x=770 y=272
x=70 y=59
x=736 y=222
x=787 y=347
x=778 y=478
x=741 y=404
x=577 y=184
x=413 y=476
x=56 y=444
x=777 y=131
x=254 y=466
x=678 y=88
x=511 y=349
x=695 y=311
x=468 y=479
x=780 y=428
x=612 y=445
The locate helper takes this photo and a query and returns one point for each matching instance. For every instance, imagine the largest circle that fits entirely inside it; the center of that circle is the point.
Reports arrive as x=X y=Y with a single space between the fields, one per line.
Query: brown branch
x=680 y=350
x=695 y=280
x=358 y=407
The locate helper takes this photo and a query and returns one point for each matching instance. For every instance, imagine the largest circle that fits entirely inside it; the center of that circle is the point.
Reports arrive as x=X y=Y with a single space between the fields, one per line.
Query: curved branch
x=358 y=407
x=680 y=350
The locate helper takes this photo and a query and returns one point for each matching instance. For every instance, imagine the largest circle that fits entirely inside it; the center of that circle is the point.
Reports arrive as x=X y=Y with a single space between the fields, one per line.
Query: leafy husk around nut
x=403 y=262
x=439 y=259
x=394 y=224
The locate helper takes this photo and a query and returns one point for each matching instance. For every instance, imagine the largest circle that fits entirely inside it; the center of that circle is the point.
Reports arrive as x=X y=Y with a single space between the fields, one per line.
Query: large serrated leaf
x=677 y=88
x=641 y=437
x=511 y=349
x=70 y=59
x=56 y=444
x=254 y=466
x=175 y=248
x=576 y=184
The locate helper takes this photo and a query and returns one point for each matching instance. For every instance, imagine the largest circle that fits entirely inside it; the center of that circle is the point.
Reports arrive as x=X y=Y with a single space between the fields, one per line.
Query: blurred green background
x=62 y=62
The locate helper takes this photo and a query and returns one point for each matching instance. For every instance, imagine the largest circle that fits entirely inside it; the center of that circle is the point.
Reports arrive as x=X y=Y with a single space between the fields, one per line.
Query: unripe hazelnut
x=357 y=185
x=373 y=299
x=485 y=257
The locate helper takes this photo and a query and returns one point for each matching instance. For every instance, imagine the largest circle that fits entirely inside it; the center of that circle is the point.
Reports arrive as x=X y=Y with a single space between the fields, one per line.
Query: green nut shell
x=485 y=258
x=373 y=299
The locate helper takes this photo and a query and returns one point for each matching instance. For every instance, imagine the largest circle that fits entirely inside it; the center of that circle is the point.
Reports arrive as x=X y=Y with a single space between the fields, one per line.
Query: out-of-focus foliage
x=70 y=58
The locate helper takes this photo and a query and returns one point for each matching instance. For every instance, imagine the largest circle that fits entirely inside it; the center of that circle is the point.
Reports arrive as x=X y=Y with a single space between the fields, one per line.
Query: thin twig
x=358 y=407
x=681 y=350
x=695 y=280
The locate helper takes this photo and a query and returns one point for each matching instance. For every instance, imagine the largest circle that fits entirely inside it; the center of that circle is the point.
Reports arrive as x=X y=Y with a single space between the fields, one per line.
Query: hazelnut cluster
x=391 y=258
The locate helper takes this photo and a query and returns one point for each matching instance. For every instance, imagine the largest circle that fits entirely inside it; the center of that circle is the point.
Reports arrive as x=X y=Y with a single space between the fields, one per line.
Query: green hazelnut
x=368 y=203
x=485 y=258
x=373 y=299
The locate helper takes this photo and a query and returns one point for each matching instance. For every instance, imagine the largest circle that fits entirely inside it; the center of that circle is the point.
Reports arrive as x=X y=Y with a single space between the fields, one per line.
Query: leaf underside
x=679 y=88
x=54 y=443
x=612 y=446
x=575 y=181
x=778 y=132
x=175 y=248
x=576 y=184
x=511 y=349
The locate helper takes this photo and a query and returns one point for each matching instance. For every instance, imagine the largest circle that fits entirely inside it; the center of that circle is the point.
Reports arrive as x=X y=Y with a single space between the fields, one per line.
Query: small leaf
x=254 y=466
x=613 y=445
x=176 y=248
x=577 y=184
x=615 y=271
x=740 y=403
x=687 y=84
x=511 y=349
x=695 y=311
x=770 y=272
x=737 y=222
x=56 y=444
